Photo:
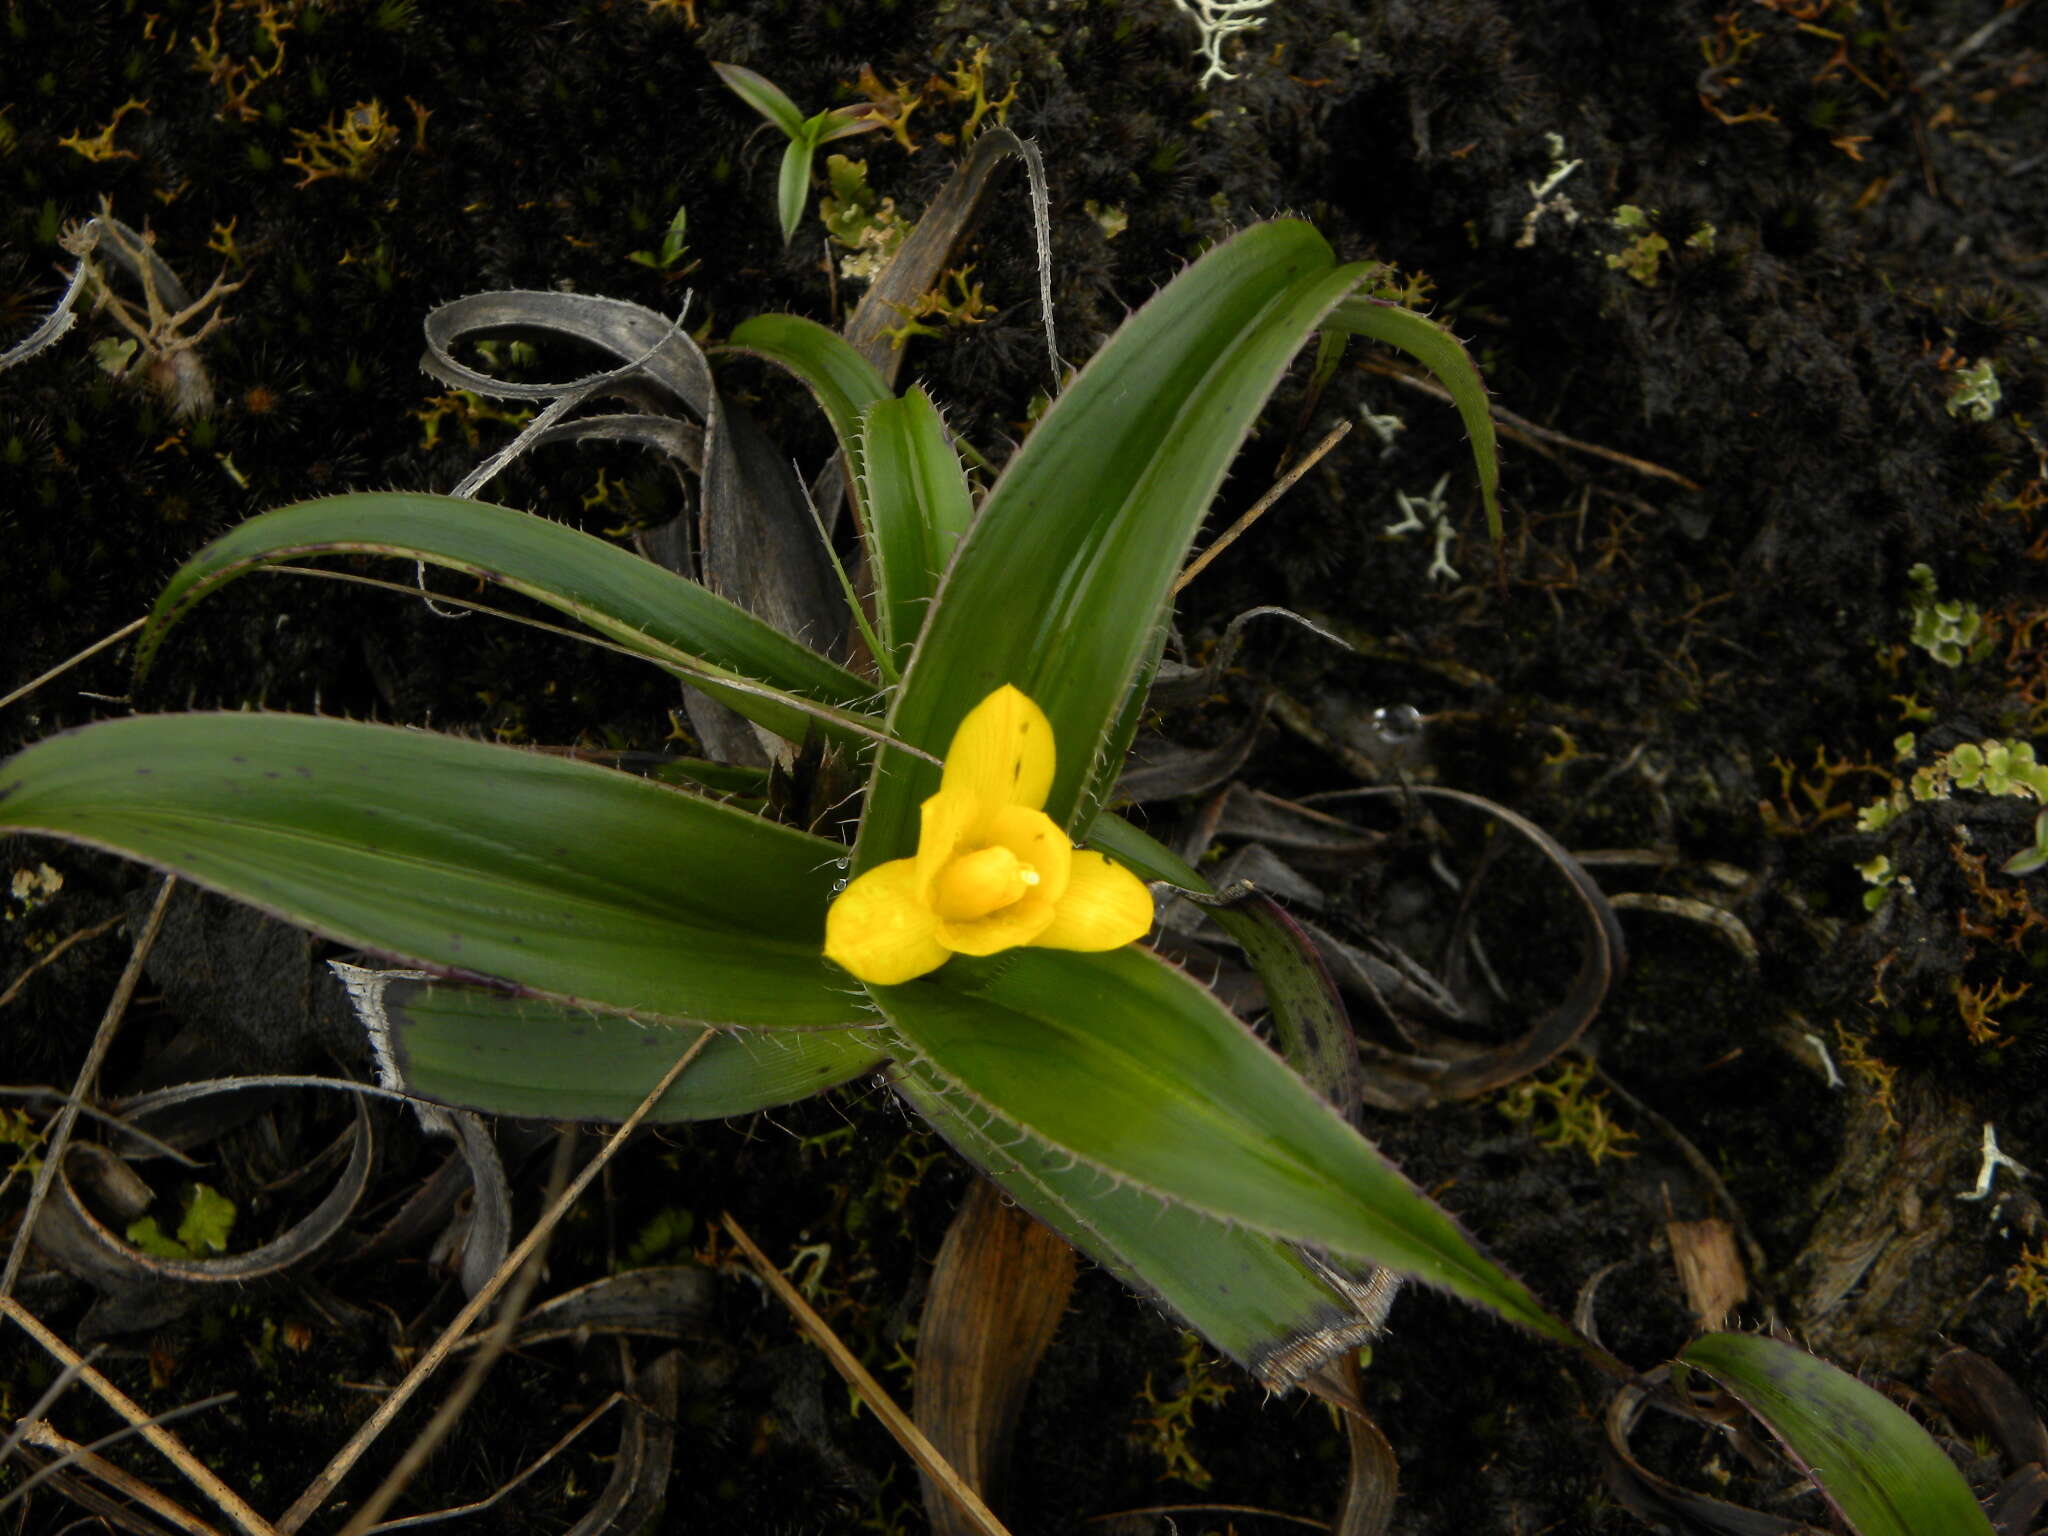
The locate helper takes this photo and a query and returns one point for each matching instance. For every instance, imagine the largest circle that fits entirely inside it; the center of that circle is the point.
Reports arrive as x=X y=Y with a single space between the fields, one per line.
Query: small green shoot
x=674 y=244
x=1643 y=254
x=2027 y=860
x=665 y=1239
x=805 y=134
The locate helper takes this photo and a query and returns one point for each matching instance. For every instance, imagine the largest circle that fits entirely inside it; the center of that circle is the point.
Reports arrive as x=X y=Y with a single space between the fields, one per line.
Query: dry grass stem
x=67 y=1117
x=494 y=1344
x=569 y=1438
x=67 y=664
x=14 y=987
x=34 y=1417
x=317 y=1492
x=1527 y=432
x=1205 y=1509
x=894 y=1419
x=1281 y=487
x=230 y=1503
x=122 y=1482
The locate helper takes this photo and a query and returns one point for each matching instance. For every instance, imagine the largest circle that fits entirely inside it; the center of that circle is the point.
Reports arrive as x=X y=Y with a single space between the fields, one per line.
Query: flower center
x=976 y=884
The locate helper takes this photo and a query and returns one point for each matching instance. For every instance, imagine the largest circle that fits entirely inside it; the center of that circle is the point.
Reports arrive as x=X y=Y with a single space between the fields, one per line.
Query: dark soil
x=1693 y=659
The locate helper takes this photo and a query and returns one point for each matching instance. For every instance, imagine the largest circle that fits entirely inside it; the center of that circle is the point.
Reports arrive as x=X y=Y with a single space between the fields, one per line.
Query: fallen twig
x=894 y=1419
x=317 y=1491
x=1528 y=432
x=67 y=1117
x=230 y=1503
x=1281 y=487
x=14 y=987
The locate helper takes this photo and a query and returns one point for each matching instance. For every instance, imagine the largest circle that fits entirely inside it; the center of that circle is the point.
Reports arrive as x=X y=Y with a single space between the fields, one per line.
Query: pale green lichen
x=1975 y=392
x=859 y=219
x=1944 y=630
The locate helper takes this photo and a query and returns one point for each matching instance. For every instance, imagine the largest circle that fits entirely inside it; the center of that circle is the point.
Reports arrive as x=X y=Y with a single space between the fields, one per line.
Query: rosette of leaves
x=566 y=930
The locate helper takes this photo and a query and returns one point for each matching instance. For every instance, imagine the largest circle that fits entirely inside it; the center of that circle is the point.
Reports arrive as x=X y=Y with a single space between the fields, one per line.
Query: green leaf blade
x=793 y=183
x=1253 y=1297
x=477 y=1048
x=1445 y=356
x=1061 y=585
x=919 y=505
x=630 y=601
x=579 y=883
x=844 y=382
x=764 y=96
x=1872 y=1460
x=1122 y=1061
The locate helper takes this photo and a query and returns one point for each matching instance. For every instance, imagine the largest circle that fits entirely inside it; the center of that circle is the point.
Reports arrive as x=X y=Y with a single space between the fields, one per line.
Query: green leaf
x=675 y=239
x=582 y=884
x=793 y=183
x=478 y=1048
x=632 y=602
x=1142 y=853
x=1875 y=1464
x=151 y=1238
x=203 y=1229
x=844 y=382
x=1252 y=1296
x=1445 y=356
x=1123 y=1062
x=208 y=1219
x=764 y=96
x=1061 y=586
x=1308 y=1018
x=919 y=506
x=845 y=122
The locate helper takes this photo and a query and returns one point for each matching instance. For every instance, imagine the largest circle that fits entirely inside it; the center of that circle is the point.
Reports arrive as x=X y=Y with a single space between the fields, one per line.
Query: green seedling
x=805 y=135
x=674 y=244
x=2027 y=860
x=1644 y=253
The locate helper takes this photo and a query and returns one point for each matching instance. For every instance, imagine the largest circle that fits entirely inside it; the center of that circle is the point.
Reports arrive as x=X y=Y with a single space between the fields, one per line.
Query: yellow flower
x=992 y=870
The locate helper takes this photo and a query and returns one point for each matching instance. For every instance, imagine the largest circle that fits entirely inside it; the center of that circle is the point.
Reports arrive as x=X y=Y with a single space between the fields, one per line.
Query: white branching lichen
x=1220 y=20
x=1428 y=514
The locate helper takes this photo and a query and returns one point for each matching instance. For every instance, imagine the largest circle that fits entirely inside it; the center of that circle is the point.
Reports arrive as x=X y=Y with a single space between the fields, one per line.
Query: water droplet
x=1396 y=725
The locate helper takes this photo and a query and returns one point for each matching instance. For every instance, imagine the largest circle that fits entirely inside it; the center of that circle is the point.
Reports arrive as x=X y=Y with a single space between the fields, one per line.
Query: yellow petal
x=1105 y=907
x=880 y=928
x=947 y=822
x=1037 y=841
x=1021 y=922
x=1002 y=754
